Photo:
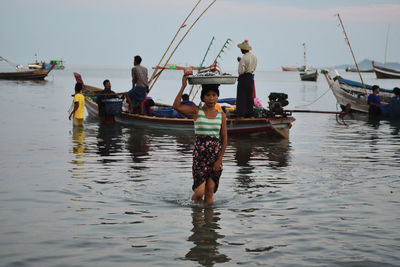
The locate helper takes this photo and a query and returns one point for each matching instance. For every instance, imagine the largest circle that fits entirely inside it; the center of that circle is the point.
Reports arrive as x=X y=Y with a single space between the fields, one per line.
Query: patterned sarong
x=205 y=153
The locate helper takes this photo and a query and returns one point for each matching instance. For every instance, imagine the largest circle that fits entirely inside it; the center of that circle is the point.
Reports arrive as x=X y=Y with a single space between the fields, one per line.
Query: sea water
x=107 y=195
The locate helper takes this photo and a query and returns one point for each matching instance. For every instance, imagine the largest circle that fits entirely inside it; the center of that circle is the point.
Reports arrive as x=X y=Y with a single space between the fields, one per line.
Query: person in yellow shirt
x=79 y=106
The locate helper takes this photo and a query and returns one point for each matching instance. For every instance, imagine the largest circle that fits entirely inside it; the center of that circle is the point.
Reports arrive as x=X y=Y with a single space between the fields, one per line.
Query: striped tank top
x=206 y=126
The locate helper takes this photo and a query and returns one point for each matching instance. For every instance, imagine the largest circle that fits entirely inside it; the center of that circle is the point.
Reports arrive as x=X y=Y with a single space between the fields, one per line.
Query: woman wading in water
x=210 y=144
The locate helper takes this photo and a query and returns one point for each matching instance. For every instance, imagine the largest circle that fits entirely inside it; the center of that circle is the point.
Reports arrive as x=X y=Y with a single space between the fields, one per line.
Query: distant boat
x=39 y=74
x=309 y=76
x=385 y=73
x=57 y=63
x=355 y=70
x=289 y=69
x=303 y=68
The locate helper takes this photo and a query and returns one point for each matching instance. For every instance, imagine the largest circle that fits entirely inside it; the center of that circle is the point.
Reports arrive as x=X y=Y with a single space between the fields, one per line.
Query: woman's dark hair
x=78 y=87
x=396 y=91
x=205 y=88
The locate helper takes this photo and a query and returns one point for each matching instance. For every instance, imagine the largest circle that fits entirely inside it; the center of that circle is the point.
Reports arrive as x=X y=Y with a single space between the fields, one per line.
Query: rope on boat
x=314 y=100
x=342 y=116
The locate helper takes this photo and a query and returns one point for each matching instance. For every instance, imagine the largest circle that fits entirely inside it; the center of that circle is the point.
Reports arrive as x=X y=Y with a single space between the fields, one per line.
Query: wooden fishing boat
x=353 y=93
x=309 y=76
x=289 y=68
x=276 y=126
x=38 y=74
x=301 y=68
x=385 y=73
x=348 y=69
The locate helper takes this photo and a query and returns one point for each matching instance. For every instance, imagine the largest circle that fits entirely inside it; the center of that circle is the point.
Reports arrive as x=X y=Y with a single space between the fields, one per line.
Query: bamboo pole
x=173 y=39
x=351 y=50
x=194 y=23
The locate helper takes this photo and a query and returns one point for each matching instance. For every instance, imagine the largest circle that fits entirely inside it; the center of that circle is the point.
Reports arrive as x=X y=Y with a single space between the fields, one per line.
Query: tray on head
x=212 y=79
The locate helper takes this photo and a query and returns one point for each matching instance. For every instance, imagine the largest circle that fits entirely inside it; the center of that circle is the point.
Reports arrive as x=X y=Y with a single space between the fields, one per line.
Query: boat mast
x=351 y=50
x=202 y=62
x=387 y=38
x=227 y=42
x=305 y=62
x=205 y=55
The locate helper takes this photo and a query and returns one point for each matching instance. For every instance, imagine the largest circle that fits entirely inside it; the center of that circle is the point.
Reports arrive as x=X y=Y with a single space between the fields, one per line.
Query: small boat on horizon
x=302 y=68
x=309 y=76
x=348 y=69
x=57 y=63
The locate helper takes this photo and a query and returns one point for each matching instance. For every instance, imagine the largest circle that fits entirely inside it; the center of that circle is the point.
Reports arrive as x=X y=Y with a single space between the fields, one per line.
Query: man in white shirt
x=245 y=87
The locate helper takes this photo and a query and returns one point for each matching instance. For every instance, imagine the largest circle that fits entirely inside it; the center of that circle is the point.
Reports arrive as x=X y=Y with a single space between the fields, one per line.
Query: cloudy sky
x=112 y=32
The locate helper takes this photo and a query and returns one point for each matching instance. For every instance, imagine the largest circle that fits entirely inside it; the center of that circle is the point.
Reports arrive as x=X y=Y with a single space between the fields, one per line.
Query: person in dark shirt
x=374 y=102
x=186 y=101
x=394 y=104
x=107 y=93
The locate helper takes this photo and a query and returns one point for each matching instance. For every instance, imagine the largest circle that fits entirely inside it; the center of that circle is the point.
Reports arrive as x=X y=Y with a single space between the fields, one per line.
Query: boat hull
x=312 y=77
x=355 y=96
x=385 y=73
x=274 y=127
x=355 y=70
x=25 y=75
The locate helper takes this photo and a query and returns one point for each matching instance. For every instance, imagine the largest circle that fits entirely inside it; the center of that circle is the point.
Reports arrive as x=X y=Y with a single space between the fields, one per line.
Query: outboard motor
x=276 y=103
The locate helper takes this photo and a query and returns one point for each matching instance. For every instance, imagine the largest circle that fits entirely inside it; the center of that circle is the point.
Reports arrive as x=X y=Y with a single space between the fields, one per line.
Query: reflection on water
x=395 y=125
x=78 y=149
x=138 y=145
x=331 y=190
x=78 y=143
x=373 y=122
x=205 y=237
x=185 y=143
x=253 y=155
x=273 y=153
x=109 y=140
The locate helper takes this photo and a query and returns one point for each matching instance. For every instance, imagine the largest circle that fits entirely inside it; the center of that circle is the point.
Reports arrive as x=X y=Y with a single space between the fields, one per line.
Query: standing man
x=140 y=85
x=245 y=87
x=107 y=93
x=79 y=106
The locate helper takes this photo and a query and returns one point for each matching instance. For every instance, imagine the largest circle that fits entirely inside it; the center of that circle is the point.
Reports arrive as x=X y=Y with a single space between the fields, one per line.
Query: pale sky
x=112 y=32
